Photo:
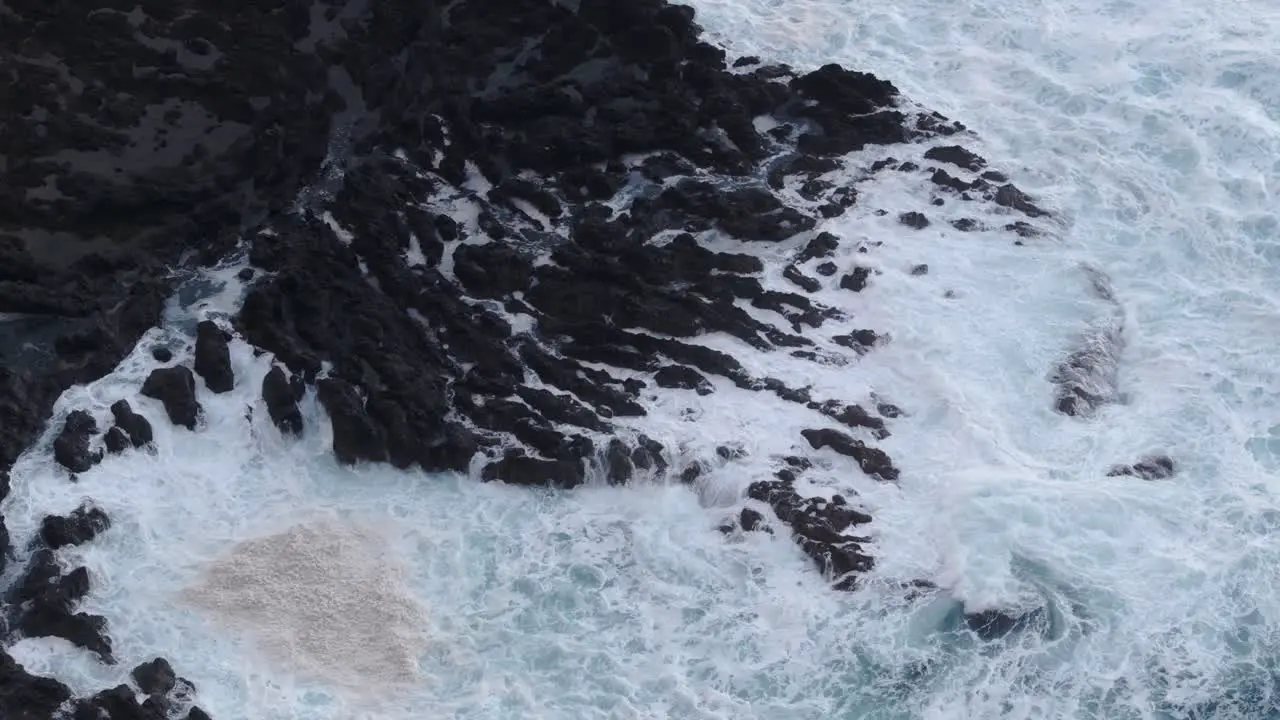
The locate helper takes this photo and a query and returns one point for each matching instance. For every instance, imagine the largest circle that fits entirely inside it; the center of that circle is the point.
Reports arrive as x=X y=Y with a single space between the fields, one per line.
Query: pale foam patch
x=324 y=600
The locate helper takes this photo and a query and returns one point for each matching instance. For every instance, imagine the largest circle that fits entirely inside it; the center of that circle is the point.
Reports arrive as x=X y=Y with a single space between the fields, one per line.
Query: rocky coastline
x=499 y=250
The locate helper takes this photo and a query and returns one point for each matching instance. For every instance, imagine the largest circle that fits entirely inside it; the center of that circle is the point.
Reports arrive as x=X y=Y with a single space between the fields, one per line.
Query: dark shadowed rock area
x=469 y=143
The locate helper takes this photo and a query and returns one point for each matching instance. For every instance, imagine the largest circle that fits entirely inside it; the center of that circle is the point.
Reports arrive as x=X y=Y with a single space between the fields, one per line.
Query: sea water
x=1151 y=131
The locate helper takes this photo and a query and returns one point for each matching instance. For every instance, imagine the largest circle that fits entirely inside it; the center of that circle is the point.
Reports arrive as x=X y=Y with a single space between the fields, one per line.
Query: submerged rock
x=1151 y=467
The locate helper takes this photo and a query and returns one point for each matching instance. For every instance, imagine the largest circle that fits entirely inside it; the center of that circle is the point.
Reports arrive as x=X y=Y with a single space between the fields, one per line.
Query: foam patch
x=325 y=600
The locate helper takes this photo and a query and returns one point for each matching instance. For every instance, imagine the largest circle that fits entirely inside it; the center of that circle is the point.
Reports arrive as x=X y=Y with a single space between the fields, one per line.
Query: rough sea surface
x=1153 y=133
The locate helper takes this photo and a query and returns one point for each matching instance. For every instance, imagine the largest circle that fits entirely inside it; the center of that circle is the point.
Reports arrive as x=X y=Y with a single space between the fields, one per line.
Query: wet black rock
x=24 y=696
x=80 y=526
x=1151 y=467
x=619 y=466
x=281 y=398
x=794 y=274
x=822 y=245
x=213 y=358
x=137 y=426
x=921 y=269
x=819 y=526
x=175 y=387
x=162 y=354
x=990 y=625
x=873 y=461
x=684 y=378
x=856 y=280
x=116 y=440
x=958 y=156
x=355 y=436
x=1010 y=196
x=750 y=520
x=827 y=269
x=966 y=224
x=155 y=677
x=71 y=447
x=80 y=629
x=523 y=470
x=859 y=340
x=914 y=219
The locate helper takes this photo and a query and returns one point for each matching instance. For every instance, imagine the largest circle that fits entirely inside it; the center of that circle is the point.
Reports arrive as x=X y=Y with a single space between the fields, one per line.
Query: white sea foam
x=1153 y=132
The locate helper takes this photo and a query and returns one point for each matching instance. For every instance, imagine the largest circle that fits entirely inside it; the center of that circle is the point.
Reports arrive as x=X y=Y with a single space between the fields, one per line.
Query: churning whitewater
x=1148 y=302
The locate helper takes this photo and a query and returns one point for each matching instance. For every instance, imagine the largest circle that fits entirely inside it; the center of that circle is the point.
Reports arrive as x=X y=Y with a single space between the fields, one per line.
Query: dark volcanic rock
x=213 y=358
x=355 y=436
x=820 y=527
x=521 y=470
x=137 y=426
x=1151 y=467
x=684 y=378
x=155 y=677
x=913 y=219
x=82 y=525
x=873 y=461
x=957 y=156
x=28 y=697
x=809 y=284
x=71 y=447
x=116 y=440
x=176 y=388
x=992 y=625
x=856 y=280
x=281 y=398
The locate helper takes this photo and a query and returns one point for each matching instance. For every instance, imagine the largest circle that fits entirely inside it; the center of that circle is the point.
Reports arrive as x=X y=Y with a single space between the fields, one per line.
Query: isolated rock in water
x=82 y=525
x=162 y=354
x=116 y=440
x=1089 y=377
x=913 y=219
x=994 y=624
x=873 y=461
x=213 y=358
x=137 y=426
x=155 y=677
x=750 y=519
x=1151 y=467
x=355 y=436
x=282 y=402
x=176 y=388
x=71 y=447
x=856 y=280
